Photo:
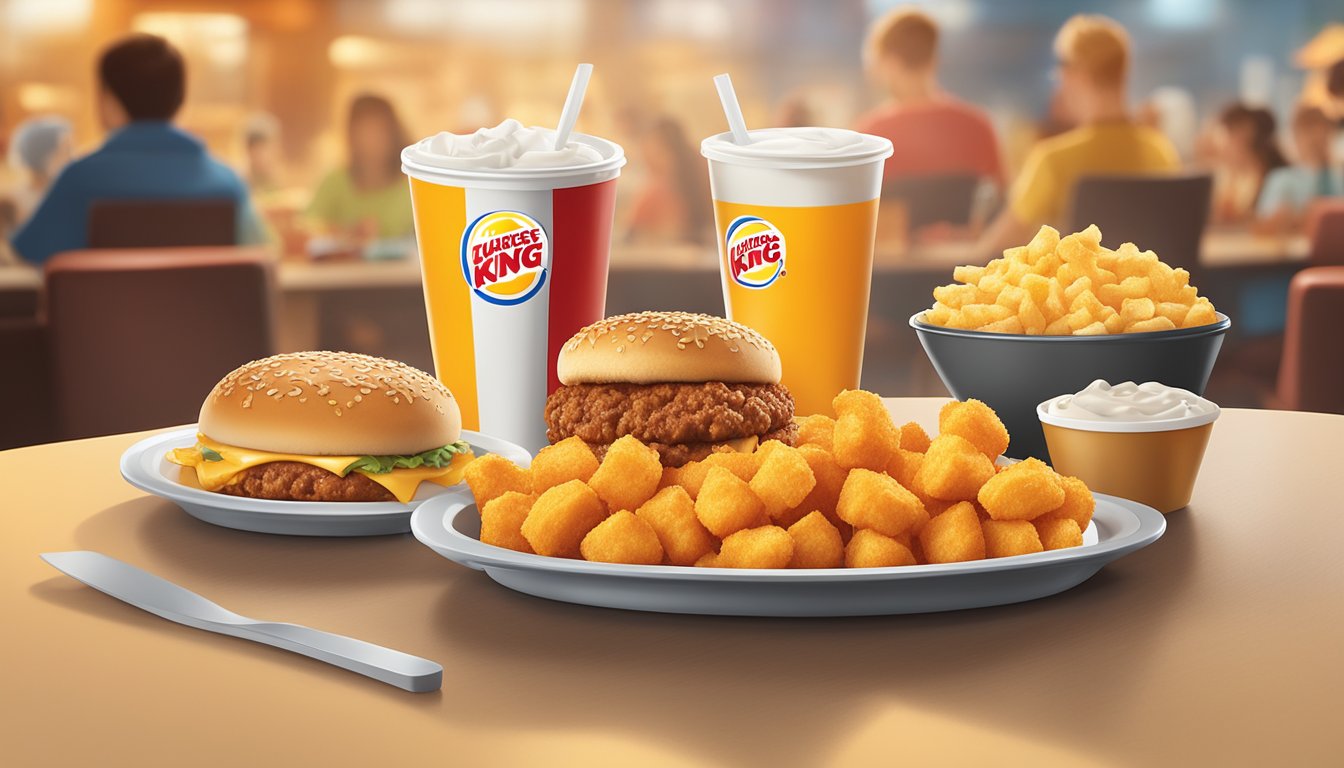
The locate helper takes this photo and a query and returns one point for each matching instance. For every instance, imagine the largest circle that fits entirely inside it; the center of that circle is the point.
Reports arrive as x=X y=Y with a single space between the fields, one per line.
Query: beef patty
x=296 y=481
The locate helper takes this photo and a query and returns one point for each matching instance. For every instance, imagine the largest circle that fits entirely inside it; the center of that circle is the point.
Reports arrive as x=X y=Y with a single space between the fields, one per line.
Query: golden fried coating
x=671 y=514
x=914 y=438
x=873 y=500
x=1058 y=533
x=502 y=520
x=1005 y=538
x=870 y=549
x=816 y=543
x=783 y=480
x=561 y=517
x=726 y=504
x=864 y=435
x=1023 y=491
x=830 y=478
x=953 y=536
x=569 y=459
x=296 y=481
x=976 y=422
x=493 y=475
x=817 y=429
x=1078 y=503
x=622 y=538
x=768 y=546
x=628 y=475
x=953 y=469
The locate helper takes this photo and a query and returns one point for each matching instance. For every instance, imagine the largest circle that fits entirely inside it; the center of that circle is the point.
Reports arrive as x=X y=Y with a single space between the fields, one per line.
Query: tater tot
x=1024 y=491
x=628 y=475
x=864 y=434
x=569 y=459
x=830 y=478
x=502 y=520
x=708 y=560
x=768 y=546
x=870 y=549
x=726 y=504
x=744 y=465
x=874 y=500
x=953 y=469
x=491 y=476
x=817 y=429
x=671 y=514
x=1005 y=538
x=816 y=543
x=954 y=536
x=783 y=481
x=976 y=422
x=622 y=538
x=1078 y=503
x=913 y=437
x=561 y=517
x=1058 y=533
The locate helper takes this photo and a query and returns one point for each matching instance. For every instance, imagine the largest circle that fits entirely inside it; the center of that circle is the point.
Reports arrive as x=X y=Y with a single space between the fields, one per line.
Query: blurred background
x=270 y=85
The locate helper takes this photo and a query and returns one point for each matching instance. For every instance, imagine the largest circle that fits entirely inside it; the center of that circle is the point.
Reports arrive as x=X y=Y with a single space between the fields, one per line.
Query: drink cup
x=514 y=243
x=796 y=212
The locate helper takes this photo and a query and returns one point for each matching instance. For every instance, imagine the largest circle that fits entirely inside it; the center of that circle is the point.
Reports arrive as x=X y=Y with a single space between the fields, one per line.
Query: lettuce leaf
x=437 y=458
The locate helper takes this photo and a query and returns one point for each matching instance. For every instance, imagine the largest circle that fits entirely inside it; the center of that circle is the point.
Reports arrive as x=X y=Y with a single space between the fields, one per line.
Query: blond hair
x=906 y=34
x=1098 y=46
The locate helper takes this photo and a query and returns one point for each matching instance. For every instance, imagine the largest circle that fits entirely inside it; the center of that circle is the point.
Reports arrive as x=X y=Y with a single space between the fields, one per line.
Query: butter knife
x=167 y=600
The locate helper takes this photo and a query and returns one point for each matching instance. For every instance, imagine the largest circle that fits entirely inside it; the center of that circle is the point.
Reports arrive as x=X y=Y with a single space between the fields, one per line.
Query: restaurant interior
x=1235 y=86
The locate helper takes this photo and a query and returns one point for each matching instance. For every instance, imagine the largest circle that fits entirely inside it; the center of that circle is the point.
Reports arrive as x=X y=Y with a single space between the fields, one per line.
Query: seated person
x=1247 y=151
x=1288 y=191
x=40 y=148
x=141 y=85
x=1093 y=53
x=368 y=198
x=932 y=131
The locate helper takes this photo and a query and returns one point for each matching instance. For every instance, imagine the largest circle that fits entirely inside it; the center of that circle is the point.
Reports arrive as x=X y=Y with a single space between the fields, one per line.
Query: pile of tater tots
x=857 y=491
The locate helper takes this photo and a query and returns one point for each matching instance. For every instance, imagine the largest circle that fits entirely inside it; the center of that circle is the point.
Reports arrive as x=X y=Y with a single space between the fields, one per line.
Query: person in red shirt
x=932 y=131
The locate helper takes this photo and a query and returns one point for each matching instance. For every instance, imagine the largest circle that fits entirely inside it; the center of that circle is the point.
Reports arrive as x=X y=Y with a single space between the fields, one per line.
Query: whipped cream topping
x=507 y=145
x=828 y=145
x=1130 y=402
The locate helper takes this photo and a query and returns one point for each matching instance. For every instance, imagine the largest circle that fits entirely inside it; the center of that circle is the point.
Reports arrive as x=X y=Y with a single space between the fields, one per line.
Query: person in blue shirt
x=141 y=86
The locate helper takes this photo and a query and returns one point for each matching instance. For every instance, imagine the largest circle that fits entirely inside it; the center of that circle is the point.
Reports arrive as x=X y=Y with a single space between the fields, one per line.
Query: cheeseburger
x=327 y=426
x=685 y=384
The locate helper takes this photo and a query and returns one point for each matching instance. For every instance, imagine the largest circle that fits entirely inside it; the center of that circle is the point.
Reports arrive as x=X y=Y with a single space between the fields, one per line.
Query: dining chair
x=934 y=198
x=26 y=385
x=162 y=223
x=1311 y=374
x=1165 y=214
x=1325 y=232
x=138 y=337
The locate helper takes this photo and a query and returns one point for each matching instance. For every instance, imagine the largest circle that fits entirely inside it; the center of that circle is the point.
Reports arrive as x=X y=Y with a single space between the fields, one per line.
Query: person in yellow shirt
x=1093 y=53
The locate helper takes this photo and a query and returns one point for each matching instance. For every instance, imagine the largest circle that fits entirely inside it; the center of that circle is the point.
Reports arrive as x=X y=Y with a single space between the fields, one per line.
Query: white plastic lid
x=798 y=148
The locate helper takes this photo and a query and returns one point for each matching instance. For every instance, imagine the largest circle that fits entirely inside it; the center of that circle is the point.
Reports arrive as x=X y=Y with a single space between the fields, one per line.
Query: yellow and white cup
x=1151 y=462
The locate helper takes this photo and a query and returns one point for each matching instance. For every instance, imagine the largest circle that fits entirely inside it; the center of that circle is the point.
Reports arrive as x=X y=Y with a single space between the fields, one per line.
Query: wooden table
x=1218 y=645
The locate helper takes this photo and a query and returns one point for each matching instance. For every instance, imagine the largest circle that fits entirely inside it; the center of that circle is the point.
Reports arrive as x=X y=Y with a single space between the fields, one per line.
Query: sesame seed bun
x=652 y=347
x=331 y=403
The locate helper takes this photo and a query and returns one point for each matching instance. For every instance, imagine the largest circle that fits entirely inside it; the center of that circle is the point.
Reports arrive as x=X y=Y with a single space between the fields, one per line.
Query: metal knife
x=163 y=598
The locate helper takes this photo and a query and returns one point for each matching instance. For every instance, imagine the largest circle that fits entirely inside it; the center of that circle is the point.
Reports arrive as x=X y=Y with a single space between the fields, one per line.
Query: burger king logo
x=505 y=256
x=755 y=251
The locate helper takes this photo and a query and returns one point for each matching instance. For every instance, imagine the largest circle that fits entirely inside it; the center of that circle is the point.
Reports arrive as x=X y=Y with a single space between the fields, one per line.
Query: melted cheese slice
x=743 y=444
x=401 y=483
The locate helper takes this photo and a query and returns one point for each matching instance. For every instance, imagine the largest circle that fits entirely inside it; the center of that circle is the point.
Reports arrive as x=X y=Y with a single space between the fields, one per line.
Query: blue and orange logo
x=505 y=257
x=755 y=250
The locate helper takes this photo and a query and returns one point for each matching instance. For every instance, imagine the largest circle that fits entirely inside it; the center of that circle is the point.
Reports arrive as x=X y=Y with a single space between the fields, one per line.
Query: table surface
x=1218 y=645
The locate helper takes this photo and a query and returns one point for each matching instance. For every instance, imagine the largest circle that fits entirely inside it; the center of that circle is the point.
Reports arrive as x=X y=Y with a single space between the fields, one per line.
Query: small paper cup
x=1151 y=462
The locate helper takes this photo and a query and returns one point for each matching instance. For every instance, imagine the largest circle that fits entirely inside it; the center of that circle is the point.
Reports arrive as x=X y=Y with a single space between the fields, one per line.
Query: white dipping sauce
x=1130 y=402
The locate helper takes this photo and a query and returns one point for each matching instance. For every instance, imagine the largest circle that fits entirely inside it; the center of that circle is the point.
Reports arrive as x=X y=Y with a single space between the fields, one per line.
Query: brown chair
x=25 y=387
x=1325 y=232
x=162 y=223
x=934 y=199
x=1165 y=214
x=138 y=337
x=1311 y=376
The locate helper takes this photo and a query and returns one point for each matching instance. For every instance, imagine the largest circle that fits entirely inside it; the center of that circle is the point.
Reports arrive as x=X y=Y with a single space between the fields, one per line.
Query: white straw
x=731 y=109
x=573 y=103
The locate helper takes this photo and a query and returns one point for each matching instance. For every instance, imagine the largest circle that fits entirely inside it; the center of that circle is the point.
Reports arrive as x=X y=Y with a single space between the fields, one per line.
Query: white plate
x=144 y=465
x=450 y=525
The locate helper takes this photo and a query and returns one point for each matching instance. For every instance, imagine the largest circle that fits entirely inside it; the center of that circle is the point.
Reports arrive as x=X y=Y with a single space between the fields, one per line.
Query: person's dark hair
x=146 y=75
x=1334 y=79
x=689 y=178
x=1264 y=141
x=369 y=105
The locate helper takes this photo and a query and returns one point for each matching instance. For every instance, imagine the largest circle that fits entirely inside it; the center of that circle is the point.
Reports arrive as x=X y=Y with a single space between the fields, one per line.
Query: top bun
x=651 y=347
x=331 y=403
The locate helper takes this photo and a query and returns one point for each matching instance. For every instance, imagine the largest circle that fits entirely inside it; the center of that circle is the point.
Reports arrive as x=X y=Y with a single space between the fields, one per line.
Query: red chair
x=1325 y=232
x=1311 y=376
x=139 y=337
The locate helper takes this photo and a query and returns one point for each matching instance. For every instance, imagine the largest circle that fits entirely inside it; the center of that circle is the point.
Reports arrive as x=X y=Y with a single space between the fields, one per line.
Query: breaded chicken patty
x=295 y=481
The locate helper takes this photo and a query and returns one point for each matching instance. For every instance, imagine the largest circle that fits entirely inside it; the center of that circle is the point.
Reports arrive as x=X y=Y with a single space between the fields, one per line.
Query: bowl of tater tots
x=1060 y=312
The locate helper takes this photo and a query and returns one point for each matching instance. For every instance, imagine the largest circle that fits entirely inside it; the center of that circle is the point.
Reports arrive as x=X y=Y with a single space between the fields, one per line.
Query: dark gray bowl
x=1014 y=373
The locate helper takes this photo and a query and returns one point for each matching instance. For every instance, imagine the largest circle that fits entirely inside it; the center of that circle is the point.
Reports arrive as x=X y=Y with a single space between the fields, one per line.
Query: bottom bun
x=295 y=481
